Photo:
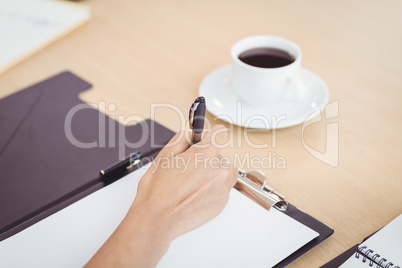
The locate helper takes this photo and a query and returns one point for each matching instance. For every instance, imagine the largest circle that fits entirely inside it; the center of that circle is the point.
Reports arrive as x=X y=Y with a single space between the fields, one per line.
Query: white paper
x=70 y=237
x=28 y=25
x=243 y=235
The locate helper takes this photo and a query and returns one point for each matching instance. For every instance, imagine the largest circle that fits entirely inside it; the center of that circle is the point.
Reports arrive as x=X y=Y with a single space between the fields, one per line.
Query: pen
x=118 y=170
x=197 y=118
x=253 y=184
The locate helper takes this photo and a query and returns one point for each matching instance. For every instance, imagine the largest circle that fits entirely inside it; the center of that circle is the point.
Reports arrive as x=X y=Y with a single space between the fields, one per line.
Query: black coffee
x=266 y=57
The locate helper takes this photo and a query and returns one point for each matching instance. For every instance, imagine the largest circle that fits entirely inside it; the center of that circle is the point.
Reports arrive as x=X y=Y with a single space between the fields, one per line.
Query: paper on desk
x=244 y=235
x=70 y=237
x=28 y=25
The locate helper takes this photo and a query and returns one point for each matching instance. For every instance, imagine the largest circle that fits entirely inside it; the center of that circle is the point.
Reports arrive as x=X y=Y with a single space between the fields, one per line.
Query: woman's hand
x=184 y=188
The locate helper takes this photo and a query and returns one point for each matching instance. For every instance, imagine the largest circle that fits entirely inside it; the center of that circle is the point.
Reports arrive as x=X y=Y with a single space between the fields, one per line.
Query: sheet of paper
x=28 y=25
x=244 y=235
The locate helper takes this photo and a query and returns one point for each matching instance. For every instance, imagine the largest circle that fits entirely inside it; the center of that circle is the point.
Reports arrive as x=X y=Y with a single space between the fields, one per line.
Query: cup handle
x=295 y=88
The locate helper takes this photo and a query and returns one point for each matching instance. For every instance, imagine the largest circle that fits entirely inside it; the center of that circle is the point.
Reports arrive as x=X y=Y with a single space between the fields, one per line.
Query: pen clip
x=119 y=169
x=134 y=160
x=191 y=116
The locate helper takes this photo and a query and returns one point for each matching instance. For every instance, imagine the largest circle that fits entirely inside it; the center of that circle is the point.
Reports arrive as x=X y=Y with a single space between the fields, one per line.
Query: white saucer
x=223 y=102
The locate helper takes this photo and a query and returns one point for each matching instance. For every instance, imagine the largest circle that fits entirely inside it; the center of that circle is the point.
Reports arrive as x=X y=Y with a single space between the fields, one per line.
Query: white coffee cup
x=260 y=86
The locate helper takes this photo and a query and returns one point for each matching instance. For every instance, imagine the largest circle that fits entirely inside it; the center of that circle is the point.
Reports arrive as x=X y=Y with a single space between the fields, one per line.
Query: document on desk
x=243 y=235
x=27 y=26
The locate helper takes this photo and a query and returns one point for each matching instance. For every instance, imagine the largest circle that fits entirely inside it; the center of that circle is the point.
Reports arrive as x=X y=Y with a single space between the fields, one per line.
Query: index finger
x=216 y=136
x=211 y=141
x=178 y=144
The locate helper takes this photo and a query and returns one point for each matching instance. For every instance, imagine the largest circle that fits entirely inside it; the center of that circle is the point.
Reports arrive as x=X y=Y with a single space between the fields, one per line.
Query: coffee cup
x=264 y=67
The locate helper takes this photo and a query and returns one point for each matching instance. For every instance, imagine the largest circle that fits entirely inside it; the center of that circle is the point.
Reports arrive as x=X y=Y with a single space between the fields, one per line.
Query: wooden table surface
x=137 y=53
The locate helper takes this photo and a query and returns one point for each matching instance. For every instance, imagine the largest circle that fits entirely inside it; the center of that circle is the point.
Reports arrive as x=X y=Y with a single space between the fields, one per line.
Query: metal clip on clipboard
x=253 y=184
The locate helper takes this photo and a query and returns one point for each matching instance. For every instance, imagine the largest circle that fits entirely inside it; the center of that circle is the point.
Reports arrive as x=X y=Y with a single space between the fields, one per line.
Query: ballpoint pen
x=252 y=184
x=197 y=118
x=120 y=169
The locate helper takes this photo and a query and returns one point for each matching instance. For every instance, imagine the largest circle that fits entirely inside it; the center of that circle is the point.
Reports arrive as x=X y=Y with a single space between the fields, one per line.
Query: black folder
x=42 y=170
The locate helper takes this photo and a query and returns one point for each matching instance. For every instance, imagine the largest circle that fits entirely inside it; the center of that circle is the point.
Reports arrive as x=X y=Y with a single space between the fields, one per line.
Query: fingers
x=232 y=173
x=212 y=141
x=178 y=144
x=181 y=141
x=216 y=136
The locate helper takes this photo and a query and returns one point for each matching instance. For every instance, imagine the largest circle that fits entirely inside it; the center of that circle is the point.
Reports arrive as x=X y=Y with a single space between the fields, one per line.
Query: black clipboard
x=42 y=171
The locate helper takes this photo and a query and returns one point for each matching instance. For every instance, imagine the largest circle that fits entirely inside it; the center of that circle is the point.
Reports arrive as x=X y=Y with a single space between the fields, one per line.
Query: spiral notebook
x=382 y=249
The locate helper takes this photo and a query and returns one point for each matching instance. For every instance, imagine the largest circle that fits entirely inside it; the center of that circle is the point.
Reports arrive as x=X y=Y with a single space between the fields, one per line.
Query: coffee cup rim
x=246 y=42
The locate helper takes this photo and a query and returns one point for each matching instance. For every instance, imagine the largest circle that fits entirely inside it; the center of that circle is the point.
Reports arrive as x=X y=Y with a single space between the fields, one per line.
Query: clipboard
x=42 y=172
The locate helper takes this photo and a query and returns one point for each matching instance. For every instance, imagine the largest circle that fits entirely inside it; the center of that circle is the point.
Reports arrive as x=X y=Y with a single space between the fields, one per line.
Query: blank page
x=28 y=25
x=243 y=235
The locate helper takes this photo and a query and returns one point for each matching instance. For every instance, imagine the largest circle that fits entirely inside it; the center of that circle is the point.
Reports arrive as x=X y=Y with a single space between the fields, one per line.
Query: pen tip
x=200 y=99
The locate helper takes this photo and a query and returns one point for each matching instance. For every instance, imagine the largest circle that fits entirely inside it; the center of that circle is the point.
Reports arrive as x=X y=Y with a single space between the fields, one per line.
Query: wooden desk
x=141 y=52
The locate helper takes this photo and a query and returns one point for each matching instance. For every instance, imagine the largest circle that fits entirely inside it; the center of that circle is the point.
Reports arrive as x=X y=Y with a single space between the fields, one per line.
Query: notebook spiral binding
x=373 y=259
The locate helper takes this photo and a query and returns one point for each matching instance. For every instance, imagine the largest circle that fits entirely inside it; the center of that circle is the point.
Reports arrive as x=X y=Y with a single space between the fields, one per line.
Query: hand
x=184 y=188
x=193 y=187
